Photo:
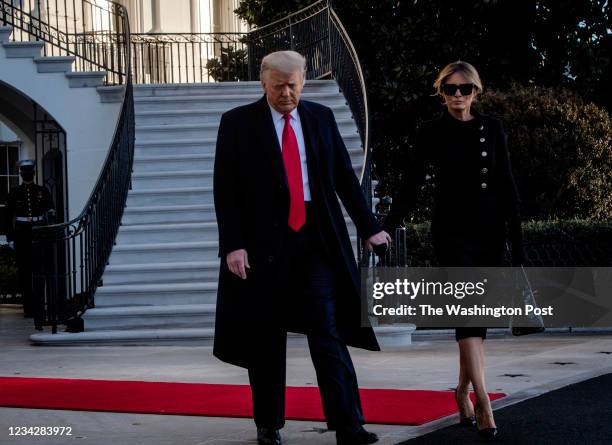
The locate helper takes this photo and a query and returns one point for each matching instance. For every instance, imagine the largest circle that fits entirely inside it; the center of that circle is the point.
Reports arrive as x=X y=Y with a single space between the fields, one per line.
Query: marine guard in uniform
x=28 y=205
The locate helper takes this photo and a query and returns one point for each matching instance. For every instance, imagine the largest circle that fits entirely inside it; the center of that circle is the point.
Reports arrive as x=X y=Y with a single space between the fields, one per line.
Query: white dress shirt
x=296 y=124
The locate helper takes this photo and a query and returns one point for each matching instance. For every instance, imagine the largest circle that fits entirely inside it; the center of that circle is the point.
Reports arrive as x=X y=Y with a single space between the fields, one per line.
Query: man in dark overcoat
x=286 y=258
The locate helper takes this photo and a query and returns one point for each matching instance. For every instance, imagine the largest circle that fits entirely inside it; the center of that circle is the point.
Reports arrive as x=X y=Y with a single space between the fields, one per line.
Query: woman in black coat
x=475 y=209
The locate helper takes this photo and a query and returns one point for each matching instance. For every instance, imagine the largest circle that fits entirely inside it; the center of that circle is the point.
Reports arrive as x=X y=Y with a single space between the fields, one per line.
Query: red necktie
x=293 y=170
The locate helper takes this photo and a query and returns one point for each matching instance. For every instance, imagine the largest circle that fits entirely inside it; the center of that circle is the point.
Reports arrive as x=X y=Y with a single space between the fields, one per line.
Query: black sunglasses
x=449 y=89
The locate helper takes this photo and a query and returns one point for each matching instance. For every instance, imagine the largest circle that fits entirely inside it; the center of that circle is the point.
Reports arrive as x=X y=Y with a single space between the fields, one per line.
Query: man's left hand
x=381 y=237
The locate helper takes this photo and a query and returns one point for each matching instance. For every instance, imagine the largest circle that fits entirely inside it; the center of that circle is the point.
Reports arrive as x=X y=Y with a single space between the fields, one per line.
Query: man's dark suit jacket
x=252 y=206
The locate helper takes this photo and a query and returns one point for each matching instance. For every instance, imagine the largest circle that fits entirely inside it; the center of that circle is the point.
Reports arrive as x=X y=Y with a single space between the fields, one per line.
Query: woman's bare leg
x=471 y=351
x=466 y=408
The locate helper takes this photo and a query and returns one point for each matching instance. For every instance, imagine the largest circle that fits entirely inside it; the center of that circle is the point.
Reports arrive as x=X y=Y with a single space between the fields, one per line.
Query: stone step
x=179 y=337
x=207 y=145
x=135 y=337
x=168 y=214
x=171 y=179
x=163 y=117
x=203 y=130
x=198 y=146
x=164 y=273
x=156 y=294
x=85 y=79
x=234 y=88
x=180 y=162
x=169 y=252
x=173 y=214
x=164 y=252
x=167 y=233
x=173 y=162
x=5 y=34
x=166 y=196
x=111 y=93
x=222 y=101
x=54 y=64
x=23 y=49
x=175 y=316
x=180 y=179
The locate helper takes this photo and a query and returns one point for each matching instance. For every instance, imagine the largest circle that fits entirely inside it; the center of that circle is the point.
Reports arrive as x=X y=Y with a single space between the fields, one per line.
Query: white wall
x=6 y=135
x=89 y=124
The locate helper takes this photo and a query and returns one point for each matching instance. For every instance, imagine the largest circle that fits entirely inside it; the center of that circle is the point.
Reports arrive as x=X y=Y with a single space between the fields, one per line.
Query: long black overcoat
x=252 y=207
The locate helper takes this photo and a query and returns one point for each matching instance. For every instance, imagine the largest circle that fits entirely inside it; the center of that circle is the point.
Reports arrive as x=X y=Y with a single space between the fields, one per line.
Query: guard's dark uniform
x=26 y=207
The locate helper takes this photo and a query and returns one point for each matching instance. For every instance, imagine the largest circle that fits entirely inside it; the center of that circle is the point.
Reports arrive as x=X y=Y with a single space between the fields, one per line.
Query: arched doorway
x=42 y=139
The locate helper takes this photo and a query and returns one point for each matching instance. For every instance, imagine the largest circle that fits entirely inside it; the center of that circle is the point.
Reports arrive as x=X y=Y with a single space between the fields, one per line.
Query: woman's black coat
x=475 y=196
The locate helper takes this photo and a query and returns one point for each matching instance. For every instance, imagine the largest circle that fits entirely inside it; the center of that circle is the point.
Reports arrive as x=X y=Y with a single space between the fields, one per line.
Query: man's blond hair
x=287 y=62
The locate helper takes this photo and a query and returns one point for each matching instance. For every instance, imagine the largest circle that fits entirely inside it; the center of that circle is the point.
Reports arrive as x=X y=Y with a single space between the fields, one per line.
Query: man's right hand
x=238 y=262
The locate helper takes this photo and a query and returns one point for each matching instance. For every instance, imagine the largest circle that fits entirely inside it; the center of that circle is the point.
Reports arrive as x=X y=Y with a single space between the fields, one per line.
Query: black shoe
x=467 y=421
x=359 y=437
x=488 y=434
x=268 y=436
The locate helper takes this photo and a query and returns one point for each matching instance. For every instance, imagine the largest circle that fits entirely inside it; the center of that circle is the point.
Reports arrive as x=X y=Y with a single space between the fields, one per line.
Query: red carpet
x=389 y=406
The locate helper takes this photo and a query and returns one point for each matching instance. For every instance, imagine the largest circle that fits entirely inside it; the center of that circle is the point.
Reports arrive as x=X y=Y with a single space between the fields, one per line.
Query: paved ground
x=575 y=414
x=521 y=367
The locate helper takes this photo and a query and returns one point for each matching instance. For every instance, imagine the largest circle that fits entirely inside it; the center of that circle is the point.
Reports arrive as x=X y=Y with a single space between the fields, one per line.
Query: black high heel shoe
x=488 y=434
x=467 y=421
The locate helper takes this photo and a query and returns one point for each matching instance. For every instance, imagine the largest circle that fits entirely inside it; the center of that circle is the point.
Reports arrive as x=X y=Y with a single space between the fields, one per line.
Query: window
x=9 y=172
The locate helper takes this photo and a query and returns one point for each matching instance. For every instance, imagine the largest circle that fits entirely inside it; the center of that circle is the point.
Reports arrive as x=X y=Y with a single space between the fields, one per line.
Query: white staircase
x=161 y=282
x=77 y=101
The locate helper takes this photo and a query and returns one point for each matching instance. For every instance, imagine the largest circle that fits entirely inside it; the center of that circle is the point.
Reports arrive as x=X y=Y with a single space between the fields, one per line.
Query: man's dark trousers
x=309 y=306
x=28 y=264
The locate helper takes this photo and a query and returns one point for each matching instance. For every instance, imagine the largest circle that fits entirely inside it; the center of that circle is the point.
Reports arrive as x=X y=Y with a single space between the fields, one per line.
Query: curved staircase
x=161 y=281
x=85 y=109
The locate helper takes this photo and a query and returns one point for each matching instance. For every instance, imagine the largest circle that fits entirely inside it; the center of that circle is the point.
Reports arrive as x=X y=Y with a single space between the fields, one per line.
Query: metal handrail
x=308 y=8
x=90 y=30
x=365 y=125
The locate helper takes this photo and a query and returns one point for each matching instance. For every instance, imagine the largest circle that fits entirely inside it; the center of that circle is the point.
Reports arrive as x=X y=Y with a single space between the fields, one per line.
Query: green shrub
x=553 y=243
x=561 y=151
x=230 y=66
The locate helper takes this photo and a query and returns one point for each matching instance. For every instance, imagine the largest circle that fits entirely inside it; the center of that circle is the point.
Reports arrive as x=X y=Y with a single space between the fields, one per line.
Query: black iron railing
x=74 y=254
x=92 y=31
x=306 y=31
x=69 y=258
x=189 y=58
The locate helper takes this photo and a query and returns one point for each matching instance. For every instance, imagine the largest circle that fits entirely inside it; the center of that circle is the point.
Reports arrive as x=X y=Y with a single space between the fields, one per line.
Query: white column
x=194 y=15
x=155 y=16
